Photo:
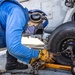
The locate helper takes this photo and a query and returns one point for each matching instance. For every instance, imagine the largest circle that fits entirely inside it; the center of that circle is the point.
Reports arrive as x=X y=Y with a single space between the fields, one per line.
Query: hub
x=65 y=44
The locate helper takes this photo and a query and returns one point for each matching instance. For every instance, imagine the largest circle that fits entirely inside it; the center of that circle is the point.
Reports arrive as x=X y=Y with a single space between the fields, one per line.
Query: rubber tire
x=64 y=31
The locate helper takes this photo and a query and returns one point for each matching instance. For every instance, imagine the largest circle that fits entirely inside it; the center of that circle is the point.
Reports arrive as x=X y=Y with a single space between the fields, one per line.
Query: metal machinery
x=59 y=35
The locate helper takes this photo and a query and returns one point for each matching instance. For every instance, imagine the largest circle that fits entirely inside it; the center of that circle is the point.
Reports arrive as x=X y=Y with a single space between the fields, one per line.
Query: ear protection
x=38 y=16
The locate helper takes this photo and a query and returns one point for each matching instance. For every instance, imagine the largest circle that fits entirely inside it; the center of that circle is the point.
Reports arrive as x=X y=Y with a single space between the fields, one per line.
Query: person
x=13 y=21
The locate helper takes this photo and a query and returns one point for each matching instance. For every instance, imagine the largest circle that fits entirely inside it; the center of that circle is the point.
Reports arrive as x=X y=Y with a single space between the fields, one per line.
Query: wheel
x=62 y=37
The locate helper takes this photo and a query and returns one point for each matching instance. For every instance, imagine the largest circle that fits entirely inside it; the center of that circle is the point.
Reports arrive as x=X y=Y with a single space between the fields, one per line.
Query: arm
x=14 y=27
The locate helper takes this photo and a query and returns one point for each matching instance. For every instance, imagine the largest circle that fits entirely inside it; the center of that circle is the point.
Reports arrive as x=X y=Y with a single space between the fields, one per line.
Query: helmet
x=38 y=16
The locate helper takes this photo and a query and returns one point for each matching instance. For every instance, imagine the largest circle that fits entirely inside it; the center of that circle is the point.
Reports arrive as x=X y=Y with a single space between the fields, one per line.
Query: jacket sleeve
x=14 y=27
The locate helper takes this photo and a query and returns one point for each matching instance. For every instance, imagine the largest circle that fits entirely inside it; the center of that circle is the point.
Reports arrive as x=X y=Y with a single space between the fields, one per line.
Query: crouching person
x=13 y=20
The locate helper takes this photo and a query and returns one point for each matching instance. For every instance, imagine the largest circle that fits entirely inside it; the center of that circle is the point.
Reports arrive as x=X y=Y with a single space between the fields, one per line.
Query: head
x=38 y=21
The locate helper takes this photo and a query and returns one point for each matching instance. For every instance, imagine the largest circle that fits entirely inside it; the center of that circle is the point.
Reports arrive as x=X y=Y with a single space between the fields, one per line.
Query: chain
x=36 y=66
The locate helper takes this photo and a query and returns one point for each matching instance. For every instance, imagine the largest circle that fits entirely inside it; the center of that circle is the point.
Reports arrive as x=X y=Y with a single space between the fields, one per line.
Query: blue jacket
x=13 y=21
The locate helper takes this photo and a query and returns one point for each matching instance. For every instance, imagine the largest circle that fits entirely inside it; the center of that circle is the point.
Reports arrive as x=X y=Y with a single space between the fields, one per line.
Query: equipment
x=60 y=40
x=61 y=34
x=41 y=64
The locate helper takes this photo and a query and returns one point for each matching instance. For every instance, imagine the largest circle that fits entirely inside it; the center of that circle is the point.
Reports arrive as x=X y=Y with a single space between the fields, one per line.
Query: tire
x=62 y=37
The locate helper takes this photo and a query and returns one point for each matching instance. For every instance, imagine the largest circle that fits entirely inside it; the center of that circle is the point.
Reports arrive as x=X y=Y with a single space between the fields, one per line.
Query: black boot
x=12 y=63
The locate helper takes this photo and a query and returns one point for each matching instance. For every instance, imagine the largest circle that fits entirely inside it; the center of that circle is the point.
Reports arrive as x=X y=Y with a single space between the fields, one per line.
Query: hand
x=46 y=56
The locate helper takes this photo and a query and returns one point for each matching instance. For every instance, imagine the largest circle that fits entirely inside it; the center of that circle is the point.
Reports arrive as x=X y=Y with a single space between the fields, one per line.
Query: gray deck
x=41 y=72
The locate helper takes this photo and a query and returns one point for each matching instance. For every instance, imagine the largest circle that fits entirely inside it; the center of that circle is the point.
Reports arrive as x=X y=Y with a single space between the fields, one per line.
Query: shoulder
x=11 y=5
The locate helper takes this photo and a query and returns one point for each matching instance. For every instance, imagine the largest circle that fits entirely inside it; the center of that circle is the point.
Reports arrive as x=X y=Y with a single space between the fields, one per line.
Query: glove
x=45 y=56
x=33 y=60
